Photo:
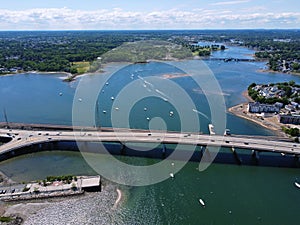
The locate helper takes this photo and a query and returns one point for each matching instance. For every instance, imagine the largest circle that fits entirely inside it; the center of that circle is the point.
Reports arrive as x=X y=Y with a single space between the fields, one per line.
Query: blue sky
x=153 y=14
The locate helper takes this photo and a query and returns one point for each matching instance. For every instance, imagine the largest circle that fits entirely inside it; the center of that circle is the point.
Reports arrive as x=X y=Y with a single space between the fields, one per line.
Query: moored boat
x=201 y=201
x=211 y=129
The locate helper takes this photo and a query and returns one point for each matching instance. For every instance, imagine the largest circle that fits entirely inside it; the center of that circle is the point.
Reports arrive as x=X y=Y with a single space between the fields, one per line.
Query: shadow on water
x=163 y=151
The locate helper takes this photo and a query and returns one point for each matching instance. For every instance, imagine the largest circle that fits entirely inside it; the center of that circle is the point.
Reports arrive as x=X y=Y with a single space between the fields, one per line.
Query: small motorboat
x=172 y=175
x=227 y=132
x=297 y=184
x=201 y=201
x=211 y=129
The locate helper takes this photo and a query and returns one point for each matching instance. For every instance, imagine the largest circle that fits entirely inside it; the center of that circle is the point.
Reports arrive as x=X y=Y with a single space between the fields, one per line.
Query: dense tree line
x=57 y=50
x=285 y=86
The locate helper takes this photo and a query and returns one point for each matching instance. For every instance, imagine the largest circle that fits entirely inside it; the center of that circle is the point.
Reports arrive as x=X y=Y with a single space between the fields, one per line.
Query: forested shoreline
x=74 y=51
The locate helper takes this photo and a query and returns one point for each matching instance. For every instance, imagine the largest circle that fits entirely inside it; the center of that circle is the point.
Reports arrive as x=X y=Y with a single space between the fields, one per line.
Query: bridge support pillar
x=237 y=158
x=255 y=155
x=164 y=150
x=123 y=149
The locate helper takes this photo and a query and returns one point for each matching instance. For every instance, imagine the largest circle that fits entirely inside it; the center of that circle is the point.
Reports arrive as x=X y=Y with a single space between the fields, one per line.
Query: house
x=256 y=107
x=290 y=107
x=289 y=119
x=279 y=104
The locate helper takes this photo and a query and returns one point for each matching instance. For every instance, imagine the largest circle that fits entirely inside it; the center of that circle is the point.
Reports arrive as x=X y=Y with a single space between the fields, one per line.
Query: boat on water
x=172 y=175
x=201 y=201
x=211 y=129
x=297 y=184
x=227 y=132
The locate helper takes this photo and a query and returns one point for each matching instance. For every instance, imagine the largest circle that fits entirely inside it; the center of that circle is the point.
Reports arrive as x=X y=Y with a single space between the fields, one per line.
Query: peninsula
x=273 y=106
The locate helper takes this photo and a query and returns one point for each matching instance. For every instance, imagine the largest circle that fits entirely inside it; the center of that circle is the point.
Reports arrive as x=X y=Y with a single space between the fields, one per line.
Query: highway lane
x=23 y=138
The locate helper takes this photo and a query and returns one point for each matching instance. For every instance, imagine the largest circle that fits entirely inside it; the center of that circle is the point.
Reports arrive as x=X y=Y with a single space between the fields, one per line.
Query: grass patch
x=81 y=67
x=5 y=219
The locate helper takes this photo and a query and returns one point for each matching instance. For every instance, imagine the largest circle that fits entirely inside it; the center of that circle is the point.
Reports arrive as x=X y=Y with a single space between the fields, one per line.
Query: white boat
x=112 y=98
x=201 y=202
x=211 y=129
x=172 y=175
x=297 y=184
x=227 y=132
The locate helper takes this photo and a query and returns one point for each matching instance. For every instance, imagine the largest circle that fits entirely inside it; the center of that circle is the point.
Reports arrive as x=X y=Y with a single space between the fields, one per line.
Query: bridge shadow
x=225 y=155
x=4 y=140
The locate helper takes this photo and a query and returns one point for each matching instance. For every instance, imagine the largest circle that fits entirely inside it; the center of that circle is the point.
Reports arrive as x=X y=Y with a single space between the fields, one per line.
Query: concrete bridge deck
x=25 y=138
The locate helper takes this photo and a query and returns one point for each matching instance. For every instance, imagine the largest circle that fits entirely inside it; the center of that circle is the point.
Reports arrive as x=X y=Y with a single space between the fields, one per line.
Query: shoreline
x=270 y=123
x=118 y=198
x=40 y=210
x=277 y=72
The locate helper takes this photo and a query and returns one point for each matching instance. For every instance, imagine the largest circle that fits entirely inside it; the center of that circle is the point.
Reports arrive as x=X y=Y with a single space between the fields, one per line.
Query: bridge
x=232 y=59
x=20 y=138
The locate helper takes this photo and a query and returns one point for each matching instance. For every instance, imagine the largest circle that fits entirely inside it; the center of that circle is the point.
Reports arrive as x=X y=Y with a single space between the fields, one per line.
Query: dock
x=35 y=190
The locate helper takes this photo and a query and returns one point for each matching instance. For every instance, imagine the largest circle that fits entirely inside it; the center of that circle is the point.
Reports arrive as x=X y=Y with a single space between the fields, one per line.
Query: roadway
x=25 y=138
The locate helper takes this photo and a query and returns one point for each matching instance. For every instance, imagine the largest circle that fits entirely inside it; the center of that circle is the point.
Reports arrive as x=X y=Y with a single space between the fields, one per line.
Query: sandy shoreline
x=118 y=198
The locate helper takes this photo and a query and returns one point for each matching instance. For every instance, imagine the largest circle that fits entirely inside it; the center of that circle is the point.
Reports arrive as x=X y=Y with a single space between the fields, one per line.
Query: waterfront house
x=289 y=119
x=256 y=107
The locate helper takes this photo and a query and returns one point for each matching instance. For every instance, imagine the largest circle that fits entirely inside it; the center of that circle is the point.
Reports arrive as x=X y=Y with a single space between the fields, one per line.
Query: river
x=233 y=194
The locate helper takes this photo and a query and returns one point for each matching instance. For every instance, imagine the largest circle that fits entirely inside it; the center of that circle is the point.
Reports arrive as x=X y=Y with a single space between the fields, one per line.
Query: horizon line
x=191 y=29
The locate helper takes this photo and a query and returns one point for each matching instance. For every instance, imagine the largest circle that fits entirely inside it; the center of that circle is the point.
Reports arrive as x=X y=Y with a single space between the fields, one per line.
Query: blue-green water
x=233 y=194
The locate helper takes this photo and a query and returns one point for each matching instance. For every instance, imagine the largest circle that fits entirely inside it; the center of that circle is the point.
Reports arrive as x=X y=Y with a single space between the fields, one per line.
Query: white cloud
x=230 y=2
x=64 y=18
